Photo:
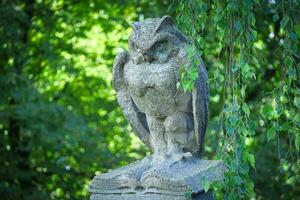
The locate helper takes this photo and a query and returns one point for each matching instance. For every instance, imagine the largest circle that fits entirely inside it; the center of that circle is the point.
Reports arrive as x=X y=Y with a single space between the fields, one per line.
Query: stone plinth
x=200 y=196
x=140 y=180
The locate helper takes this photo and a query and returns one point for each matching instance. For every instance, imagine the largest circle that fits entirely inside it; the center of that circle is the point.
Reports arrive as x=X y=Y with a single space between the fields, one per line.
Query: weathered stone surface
x=200 y=196
x=141 y=179
x=167 y=119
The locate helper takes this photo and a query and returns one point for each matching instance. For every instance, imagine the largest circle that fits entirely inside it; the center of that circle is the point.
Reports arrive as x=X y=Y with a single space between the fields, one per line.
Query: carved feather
x=136 y=119
x=200 y=96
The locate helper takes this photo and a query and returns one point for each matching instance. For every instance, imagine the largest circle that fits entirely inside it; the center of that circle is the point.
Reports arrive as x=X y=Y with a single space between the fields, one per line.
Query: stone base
x=200 y=196
x=168 y=181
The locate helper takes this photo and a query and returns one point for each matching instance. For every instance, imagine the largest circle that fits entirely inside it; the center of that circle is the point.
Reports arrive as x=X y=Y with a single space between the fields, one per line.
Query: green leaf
x=238 y=180
x=220 y=33
x=221 y=77
x=285 y=126
x=297 y=101
x=188 y=195
x=276 y=126
x=243 y=91
x=205 y=184
x=251 y=160
x=185 y=87
x=233 y=119
x=292 y=73
x=271 y=133
x=232 y=196
x=293 y=36
x=245 y=108
x=266 y=111
x=288 y=61
x=200 y=42
x=297 y=29
x=235 y=68
x=230 y=131
x=253 y=34
x=275 y=17
x=249 y=185
x=284 y=21
x=296 y=119
x=257 y=2
x=193 y=73
x=238 y=26
x=297 y=142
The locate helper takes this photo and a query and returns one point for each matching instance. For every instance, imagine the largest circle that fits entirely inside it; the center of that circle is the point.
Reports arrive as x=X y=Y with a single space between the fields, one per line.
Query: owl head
x=155 y=40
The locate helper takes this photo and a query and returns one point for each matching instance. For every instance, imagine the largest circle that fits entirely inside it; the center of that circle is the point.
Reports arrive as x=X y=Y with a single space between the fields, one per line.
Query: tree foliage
x=252 y=54
x=60 y=122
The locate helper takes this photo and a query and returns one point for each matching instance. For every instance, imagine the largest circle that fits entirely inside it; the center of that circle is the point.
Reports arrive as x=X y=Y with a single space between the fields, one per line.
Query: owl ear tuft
x=135 y=26
x=165 y=21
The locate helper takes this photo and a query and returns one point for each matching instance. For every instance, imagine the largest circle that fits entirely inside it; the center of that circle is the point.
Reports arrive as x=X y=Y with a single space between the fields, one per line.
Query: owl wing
x=200 y=96
x=136 y=119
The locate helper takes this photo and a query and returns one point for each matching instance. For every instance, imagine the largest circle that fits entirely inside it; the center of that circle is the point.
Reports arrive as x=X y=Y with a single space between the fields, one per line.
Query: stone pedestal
x=168 y=181
x=200 y=196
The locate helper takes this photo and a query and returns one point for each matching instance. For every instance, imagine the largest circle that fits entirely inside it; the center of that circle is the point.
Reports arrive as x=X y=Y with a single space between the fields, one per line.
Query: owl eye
x=159 y=46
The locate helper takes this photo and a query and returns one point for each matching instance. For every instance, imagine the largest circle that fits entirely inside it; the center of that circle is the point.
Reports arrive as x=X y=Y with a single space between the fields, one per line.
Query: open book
x=141 y=178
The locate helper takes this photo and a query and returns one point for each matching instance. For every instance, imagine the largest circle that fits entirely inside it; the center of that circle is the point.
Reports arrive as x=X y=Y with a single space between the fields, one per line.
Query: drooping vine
x=235 y=32
x=286 y=117
x=233 y=70
x=238 y=24
x=283 y=115
x=192 y=16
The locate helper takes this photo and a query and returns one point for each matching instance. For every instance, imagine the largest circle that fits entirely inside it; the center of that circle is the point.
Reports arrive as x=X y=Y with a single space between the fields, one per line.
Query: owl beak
x=148 y=58
x=142 y=58
x=139 y=59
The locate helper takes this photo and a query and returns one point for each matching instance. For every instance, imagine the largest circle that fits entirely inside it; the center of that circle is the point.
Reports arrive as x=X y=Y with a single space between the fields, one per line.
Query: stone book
x=176 y=179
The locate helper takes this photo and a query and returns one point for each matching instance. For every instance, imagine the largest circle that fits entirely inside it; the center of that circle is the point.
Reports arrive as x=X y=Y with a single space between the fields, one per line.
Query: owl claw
x=182 y=156
x=178 y=155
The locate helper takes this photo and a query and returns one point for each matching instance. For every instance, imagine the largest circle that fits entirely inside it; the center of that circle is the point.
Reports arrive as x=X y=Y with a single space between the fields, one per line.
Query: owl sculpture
x=170 y=121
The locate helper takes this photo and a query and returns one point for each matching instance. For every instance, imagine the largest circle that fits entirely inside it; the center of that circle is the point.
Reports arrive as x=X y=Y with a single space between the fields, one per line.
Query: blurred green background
x=60 y=123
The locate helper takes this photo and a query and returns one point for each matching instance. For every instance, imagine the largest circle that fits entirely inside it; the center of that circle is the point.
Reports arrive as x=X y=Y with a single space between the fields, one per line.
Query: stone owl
x=167 y=119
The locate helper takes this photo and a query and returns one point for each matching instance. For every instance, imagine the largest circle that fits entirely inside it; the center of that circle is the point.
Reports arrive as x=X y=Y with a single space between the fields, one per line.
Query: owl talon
x=180 y=156
x=187 y=156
